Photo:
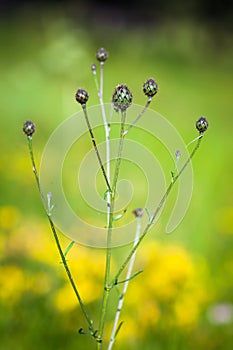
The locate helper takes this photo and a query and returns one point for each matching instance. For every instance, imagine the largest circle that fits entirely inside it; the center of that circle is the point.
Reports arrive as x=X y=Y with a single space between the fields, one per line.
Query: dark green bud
x=150 y=88
x=82 y=96
x=101 y=55
x=29 y=128
x=202 y=125
x=122 y=97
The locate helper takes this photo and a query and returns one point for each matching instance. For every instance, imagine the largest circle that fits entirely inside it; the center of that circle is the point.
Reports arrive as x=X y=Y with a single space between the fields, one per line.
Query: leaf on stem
x=118 y=329
x=130 y=278
x=119 y=216
x=68 y=248
x=106 y=194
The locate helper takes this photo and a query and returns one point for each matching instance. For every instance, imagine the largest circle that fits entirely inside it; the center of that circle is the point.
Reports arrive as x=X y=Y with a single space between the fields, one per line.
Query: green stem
x=84 y=310
x=35 y=170
x=95 y=146
x=107 y=286
x=139 y=116
x=115 y=328
x=158 y=208
x=68 y=272
x=107 y=137
x=118 y=162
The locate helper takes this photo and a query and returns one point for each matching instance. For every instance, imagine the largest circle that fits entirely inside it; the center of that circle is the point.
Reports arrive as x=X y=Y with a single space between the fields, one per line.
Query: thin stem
x=158 y=208
x=120 y=149
x=68 y=272
x=96 y=81
x=139 y=116
x=107 y=277
x=84 y=310
x=107 y=137
x=124 y=290
x=95 y=146
x=107 y=287
x=34 y=169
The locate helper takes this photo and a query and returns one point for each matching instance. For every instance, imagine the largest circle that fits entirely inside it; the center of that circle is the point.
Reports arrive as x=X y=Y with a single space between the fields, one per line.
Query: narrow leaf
x=119 y=216
x=131 y=277
x=68 y=248
x=118 y=329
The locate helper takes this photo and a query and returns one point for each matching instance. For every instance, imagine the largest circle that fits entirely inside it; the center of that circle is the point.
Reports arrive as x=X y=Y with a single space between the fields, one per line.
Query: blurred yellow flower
x=34 y=239
x=19 y=168
x=172 y=289
x=88 y=273
x=9 y=217
x=187 y=311
x=65 y=299
x=12 y=283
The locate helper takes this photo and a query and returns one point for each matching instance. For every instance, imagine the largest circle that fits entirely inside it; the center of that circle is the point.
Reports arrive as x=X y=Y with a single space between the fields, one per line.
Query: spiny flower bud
x=122 y=97
x=29 y=128
x=138 y=212
x=150 y=88
x=101 y=55
x=82 y=96
x=202 y=124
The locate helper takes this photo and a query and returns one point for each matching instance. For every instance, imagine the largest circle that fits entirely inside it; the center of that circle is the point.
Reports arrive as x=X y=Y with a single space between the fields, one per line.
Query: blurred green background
x=184 y=299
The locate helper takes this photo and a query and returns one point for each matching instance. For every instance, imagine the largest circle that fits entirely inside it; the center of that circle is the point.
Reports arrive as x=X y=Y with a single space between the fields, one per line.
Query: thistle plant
x=121 y=101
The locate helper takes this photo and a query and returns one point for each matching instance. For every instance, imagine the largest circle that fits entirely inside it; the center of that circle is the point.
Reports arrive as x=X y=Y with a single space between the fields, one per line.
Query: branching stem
x=139 y=116
x=154 y=215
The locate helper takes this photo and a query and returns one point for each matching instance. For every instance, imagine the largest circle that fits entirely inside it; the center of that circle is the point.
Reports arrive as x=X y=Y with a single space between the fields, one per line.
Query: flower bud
x=138 y=212
x=178 y=154
x=101 y=55
x=202 y=124
x=150 y=88
x=93 y=68
x=122 y=97
x=29 y=128
x=81 y=96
